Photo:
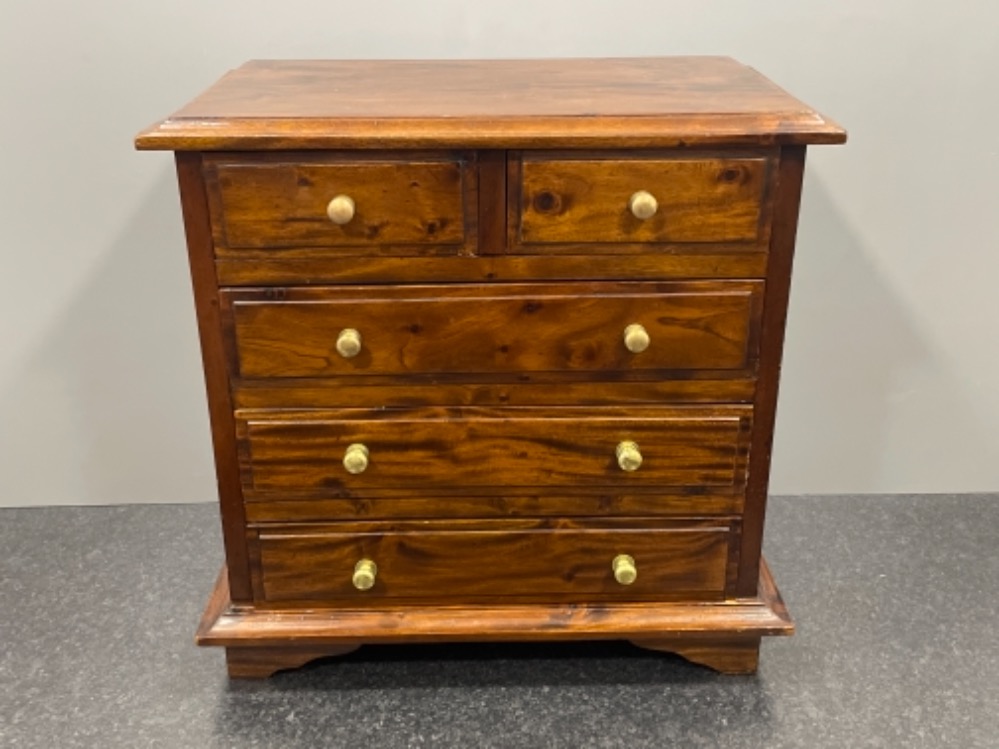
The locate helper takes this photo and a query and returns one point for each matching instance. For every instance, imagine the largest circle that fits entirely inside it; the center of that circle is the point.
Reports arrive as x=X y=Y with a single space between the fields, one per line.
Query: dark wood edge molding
x=197 y=225
x=651 y=131
x=781 y=258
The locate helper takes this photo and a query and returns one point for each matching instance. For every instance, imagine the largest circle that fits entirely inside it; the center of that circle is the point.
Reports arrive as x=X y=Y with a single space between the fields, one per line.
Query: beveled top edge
x=630 y=102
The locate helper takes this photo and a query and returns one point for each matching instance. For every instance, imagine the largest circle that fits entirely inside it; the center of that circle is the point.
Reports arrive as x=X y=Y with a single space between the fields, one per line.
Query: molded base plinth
x=723 y=635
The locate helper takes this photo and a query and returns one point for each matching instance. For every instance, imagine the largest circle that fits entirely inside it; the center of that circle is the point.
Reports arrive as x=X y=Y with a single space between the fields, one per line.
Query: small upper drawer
x=324 y=201
x=512 y=330
x=562 y=199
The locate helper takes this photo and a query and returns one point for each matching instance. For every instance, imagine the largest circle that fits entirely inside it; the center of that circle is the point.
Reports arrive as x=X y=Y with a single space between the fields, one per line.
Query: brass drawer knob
x=365 y=572
x=348 y=343
x=643 y=205
x=341 y=209
x=636 y=338
x=355 y=459
x=625 y=571
x=628 y=456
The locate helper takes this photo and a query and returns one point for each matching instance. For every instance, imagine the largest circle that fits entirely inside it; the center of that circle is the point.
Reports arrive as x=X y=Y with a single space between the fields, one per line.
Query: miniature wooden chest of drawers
x=492 y=349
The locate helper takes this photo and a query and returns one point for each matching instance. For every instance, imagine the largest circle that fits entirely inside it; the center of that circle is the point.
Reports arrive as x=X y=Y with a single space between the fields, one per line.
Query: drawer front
x=352 y=452
x=263 y=203
x=513 y=330
x=698 y=199
x=502 y=560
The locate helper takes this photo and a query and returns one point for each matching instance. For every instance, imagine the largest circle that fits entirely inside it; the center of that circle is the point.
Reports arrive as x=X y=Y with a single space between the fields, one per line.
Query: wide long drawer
x=353 y=452
x=514 y=329
x=454 y=562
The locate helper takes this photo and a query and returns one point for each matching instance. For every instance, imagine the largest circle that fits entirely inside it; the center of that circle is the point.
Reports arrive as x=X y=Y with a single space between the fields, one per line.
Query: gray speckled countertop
x=896 y=600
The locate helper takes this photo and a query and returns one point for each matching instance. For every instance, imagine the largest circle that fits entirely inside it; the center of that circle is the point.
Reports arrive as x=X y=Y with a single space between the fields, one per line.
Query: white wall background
x=890 y=380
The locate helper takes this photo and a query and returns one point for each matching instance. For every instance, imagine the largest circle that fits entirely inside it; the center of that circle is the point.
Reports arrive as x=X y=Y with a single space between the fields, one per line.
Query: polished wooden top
x=636 y=102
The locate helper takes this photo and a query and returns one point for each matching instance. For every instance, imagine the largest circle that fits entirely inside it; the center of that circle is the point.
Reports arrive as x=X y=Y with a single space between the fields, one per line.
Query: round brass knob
x=348 y=343
x=636 y=338
x=341 y=209
x=355 y=459
x=365 y=572
x=625 y=571
x=628 y=456
x=643 y=205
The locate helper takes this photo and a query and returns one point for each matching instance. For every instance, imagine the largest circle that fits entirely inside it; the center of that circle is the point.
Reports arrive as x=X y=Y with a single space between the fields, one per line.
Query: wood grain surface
x=318 y=266
x=301 y=451
x=586 y=200
x=507 y=503
x=229 y=625
x=778 y=289
x=535 y=391
x=197 y=228
x=555 y=560
x=292 y=332
x=623 y=102
x=269 y=203
x=491 y=264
